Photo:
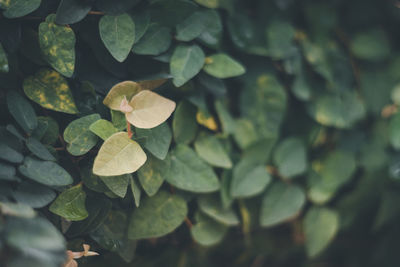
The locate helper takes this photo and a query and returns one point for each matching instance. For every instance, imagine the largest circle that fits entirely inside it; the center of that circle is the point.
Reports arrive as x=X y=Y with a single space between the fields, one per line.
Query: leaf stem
x=128 y=127
x=188 y=223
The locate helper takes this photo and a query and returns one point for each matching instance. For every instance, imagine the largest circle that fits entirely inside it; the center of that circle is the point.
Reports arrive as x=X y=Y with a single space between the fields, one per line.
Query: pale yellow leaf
x=120 y=91
x=118 y=155
x=149 y=109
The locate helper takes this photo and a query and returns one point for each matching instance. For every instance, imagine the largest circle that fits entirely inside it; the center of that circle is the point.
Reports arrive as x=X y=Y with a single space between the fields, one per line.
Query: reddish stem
x=128 y=127
x=188 y=223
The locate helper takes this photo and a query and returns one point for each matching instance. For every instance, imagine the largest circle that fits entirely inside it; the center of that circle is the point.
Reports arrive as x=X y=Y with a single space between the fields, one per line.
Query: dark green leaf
x=186 y=62
x=70 y=204
x=188 y=172
x=212 y=207
x=152 y=174
x=34 y=195
x=157 y=216
x=118 y=35
x=22 y=111
x=184 y=124
x=290 y=157
x=19 y=8
x=210 y=149
x=281 y=202
x=38 y=149
x=155 y=41
x=156 y=140
x=223 y=66
x=72 y=11
x=9 y=154
x=78 y=136
x=117 y=184
x=45 y=172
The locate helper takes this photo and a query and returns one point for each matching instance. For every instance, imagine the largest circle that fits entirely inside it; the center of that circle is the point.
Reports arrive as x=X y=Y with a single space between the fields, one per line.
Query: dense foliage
x=199 y=133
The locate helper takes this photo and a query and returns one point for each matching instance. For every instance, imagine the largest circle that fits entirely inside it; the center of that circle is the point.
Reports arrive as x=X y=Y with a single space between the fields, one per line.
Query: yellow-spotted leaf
x=58 y=45
x=120 y=91
x=50 y=90
x=149 y=109
x=118 y=155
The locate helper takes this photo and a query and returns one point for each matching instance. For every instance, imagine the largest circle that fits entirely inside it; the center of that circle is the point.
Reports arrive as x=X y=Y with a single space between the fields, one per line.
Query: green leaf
x=206 y=231
x=72 y=11
x=17 y=210
x=188 y=172
x=212 y=207
x=208 y=3
x=119 y=92
x=394 y=131
x=280 y=35
x=111 y=234
x=320 y=227
x=249 y=180
x=209 y=148
x=45 y=172
x=142 y=23
x=50 y=136
x=118 y=35
x=156 y=40
x=115 y=7
x=7 y=172
x=157 y=216
x=226 y=119
x=4 y=68
x=9 y=154
x=186 y=62
x=184 y=124
x=118 y=155
x=117 y=184
x=340 y=111
x=34 y=195
x=212 y=35
x=92 y=181
x=223 y=66
x=70 y=204
x=290 y=157
x=337 y=169
x=38 y=149
x=245 y=133
x=50 y=90
x=149 y=109
x=280 y=203
x=151 y=175
x=192 y=26
x=19 y=8
x=136 y=192
x=103 y=128
x=34 y=234
x=372 y=45
x=78 y=136
x=22 y=111
x=156 y=140
x=263 y=102
x=58 y=45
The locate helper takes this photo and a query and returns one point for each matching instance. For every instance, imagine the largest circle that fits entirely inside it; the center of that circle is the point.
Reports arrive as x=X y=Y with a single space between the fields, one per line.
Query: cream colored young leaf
x=149 y=109
x=120 y=91
x=118 y=155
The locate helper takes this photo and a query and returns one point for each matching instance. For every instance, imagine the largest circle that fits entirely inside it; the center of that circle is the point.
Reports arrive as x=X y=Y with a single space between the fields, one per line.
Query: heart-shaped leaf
x=120 y=91
x=50 y=90
x=70 y=204
x=118 y=155
x=118 y=35
x=157 y=216
x=149 y=109
x=58 y=45
x=78 y=135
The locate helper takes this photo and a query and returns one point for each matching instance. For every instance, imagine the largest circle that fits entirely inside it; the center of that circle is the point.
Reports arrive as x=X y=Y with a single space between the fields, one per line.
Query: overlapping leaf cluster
x=199 y=133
